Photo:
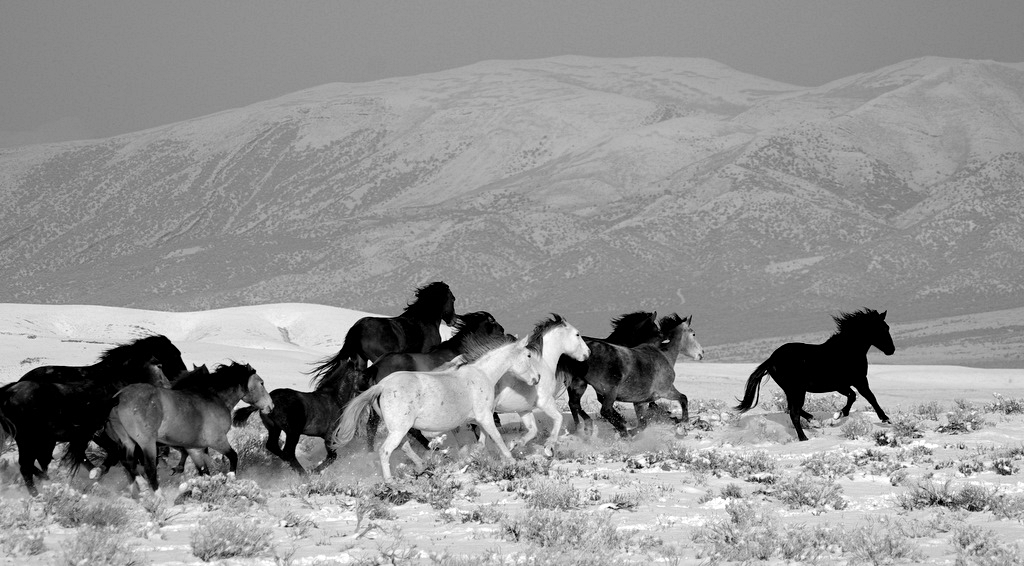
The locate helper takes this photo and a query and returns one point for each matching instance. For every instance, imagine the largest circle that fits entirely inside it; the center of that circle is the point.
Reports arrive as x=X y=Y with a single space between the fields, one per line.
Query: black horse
x=54 y=404
x=638 y=374
x=838 y=364
x=415 y=330
x=314 y=414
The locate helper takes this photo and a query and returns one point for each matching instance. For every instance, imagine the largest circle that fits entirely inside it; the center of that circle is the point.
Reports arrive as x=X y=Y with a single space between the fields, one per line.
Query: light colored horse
x=553 y=338
x=192 y=416
x=440 y=400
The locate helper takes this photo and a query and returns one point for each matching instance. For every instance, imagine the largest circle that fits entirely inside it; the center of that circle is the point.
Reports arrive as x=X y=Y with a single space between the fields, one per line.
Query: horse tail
x=242 y=415
x=753 y=392
x=353 y=413
x=116 y=430
x=350 y=349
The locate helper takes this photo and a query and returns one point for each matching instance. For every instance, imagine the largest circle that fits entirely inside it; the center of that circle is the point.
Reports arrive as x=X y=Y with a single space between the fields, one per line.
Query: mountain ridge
x=584 y=186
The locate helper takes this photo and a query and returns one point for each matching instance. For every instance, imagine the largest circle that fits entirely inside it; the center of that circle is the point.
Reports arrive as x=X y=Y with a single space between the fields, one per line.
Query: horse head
x=525 y=362
x=557 y=336
x=690 y=346
x=882 y=336
x=256 y=393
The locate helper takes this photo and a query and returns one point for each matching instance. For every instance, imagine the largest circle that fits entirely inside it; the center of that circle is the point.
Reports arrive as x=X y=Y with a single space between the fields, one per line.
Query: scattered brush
x=98 y=545
x=1002 y=405
x=220 y=490
x=70 y=508
x=225 y=536
x=553 y=529
x=809 y=491
x=964 y=418
x=975 y=545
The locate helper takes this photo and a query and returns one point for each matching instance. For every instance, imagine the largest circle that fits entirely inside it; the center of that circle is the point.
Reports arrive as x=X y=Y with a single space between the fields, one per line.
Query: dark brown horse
x=193 y=416
x=298 y=413
x=54 y=404
x=639 y=374
x=839 y=364
x=417 y=329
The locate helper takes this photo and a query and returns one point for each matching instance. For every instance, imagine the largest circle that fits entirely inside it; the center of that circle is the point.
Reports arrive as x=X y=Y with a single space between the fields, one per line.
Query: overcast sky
x=75 y=69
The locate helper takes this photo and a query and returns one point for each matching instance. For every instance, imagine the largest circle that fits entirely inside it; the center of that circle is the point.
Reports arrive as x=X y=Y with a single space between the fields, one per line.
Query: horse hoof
x=836 y=415
x=94 y=474
x=549 y=451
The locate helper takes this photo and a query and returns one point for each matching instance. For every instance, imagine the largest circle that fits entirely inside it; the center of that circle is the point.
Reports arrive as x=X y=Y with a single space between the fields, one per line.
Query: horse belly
x=431 y=409
x=192 y=422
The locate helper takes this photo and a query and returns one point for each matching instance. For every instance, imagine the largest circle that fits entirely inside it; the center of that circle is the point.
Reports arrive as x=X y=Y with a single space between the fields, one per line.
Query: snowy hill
x=588 y=187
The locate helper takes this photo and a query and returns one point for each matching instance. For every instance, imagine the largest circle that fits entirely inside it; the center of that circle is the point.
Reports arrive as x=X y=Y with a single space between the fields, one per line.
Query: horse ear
x=883 y=314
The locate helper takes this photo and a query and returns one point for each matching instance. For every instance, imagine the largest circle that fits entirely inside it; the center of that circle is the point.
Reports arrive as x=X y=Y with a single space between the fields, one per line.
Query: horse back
x=381 y=336
x=56 y=374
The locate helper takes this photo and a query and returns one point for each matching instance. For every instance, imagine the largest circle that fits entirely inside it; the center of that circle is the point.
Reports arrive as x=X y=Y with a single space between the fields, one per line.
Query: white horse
x=440 y=400
x=553 y=338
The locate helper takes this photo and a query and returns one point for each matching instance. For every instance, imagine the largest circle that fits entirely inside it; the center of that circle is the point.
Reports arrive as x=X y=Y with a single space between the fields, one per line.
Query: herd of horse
x=140 y=396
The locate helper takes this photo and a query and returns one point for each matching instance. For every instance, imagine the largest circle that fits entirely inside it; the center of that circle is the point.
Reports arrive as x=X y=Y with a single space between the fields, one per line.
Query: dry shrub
x=224 y=536
x=100 y=547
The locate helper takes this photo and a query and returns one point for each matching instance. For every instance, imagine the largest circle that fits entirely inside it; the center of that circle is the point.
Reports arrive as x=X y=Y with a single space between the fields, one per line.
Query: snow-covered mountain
x=587 y=187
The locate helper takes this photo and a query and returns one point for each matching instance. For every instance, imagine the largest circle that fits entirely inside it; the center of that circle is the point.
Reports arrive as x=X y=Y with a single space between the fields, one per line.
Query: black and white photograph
x=521 y=282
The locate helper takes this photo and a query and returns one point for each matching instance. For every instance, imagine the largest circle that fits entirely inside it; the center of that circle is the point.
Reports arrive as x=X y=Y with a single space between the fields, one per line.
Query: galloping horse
x=552 y=339
x=628 y=330
x=197 y=414
x=838 y=364
x=313 y=414
x=439 y=401
x=54 y=404
x=638 y=374
x=470 y=328
x=415 y=330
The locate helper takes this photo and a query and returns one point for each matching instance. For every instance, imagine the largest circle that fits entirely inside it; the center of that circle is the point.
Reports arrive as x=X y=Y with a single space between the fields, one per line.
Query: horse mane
x=196 y=374
x=221 y=378
x=466 y=323
x=856 y=321
x=625 y=327
x=536 y=341
x=429 y=301
x=474 y=347
x=670 y=323
x=331 y=379
x=135 y=350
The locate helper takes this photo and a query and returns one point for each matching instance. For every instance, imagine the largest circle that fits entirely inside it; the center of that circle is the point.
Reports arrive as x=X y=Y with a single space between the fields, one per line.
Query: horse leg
x=416 y=460
x=149 y=465
x=418 y=437
x=611 y=415
x=332 y=455
x=796 y=404
x=851 y=396
x=182 y=458
x=393 y=439
x=44 y=456
x=273 y=443
x=548 y=406
x=27 y=465
x=530 y=422
x=641 y=414
x=372 y=422
x=291 y=441
x=576 y=391
x=492 y=431
x=870 y=397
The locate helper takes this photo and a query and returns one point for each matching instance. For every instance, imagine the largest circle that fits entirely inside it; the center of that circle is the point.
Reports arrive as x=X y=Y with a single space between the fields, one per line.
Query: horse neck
x=495 y=363
x=850 y=341
x=671 y=349
x=231 y=395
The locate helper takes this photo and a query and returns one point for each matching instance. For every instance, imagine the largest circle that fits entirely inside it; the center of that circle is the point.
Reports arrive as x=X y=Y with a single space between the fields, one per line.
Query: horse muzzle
x=267 y=408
